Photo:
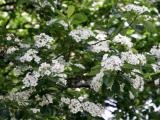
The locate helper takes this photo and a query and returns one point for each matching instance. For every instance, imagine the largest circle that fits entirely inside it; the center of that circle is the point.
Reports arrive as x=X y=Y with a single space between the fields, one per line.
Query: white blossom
x=81 y=34
x=9 y=36
x=99 y=46
x=20 y=97
x=137 y=81
x=57 y=65
x=157 y=82
x=123 y=40
x=46 y=100
x=31 y=79
x=155 y=50
x=93 y=109
x=35 y=110
x=134 y=59
x=156 y=67
x=43 y=40
x=45 y=69
x=11 y=50
x=136 y=8
x=30 y=55
x=65 y=100
x=96 y=82
x=75 y=106
x=111 y=63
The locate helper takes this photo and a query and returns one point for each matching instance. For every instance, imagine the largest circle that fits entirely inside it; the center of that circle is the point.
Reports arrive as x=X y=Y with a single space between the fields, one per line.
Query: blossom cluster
x=136 y=8
x=43 y=40
x=79 y=106
x=96 y=82
x=81 y=34
x=30 y=55
x=132 y=58
x=111 y=62
x=137 y=80
x=123 y=40
x=31 y=79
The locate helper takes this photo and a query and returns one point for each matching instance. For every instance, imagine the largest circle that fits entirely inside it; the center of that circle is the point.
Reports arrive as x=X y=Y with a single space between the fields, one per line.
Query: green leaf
x=70 y=11
x=79 y=18
x=150 y=27
x=108 y=81
x=60 y=14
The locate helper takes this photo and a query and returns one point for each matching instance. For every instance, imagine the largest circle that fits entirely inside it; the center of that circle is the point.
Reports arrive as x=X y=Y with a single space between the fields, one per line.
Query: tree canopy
x=79 y=59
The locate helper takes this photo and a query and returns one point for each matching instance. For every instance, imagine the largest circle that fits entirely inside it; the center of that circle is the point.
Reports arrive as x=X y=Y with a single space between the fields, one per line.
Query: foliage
x=72 y=59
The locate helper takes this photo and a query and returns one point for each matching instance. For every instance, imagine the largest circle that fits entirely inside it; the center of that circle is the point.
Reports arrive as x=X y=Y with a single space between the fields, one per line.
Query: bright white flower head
x=99 y=46
x=96 y=82
x=46 y=100
x=136 y=8
x=57 y=66
x=81 y=34
x=76 y=105
x=43 y=40
x=35 y=110
x=93 y=109
x=155 y=50
x=11 y=50
x=133 y=59
x=137 y=82
x=111 y=63
x=30 y=55
x=123 y=40
x=31 y=79
x=45 y=69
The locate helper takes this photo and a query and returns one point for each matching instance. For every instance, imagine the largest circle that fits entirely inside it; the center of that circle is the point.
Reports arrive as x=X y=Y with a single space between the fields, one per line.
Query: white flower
x=136 y=8
x=20 y=97
x=81 y=34
x=137 y=81
x=133 y=59
x=111 y=63
x=31 y=79
x=43 y=40
x=93 y=109
x=45 y=69
x=65 y=100
x=35 y=110
x=75 y=106
x=100 y=35
x=96 y=82
x=123 y=40
x=9 y=36
x=23 y=45
x=46 y=100
x=57 y=66
x=96 y=46
x=30 y=55
x=156 y=67
x=157 y=82
x=155 y=50
x=11 y=50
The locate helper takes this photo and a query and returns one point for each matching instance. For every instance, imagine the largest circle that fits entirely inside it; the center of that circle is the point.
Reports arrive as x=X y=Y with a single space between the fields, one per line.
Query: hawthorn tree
x=79 y=59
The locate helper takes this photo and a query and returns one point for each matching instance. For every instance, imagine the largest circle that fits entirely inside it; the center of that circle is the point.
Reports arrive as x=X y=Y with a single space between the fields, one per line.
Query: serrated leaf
x=70 y=11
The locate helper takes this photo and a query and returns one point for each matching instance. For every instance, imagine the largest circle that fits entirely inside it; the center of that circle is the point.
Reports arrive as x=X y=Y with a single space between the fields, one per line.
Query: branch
x=79 y=85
